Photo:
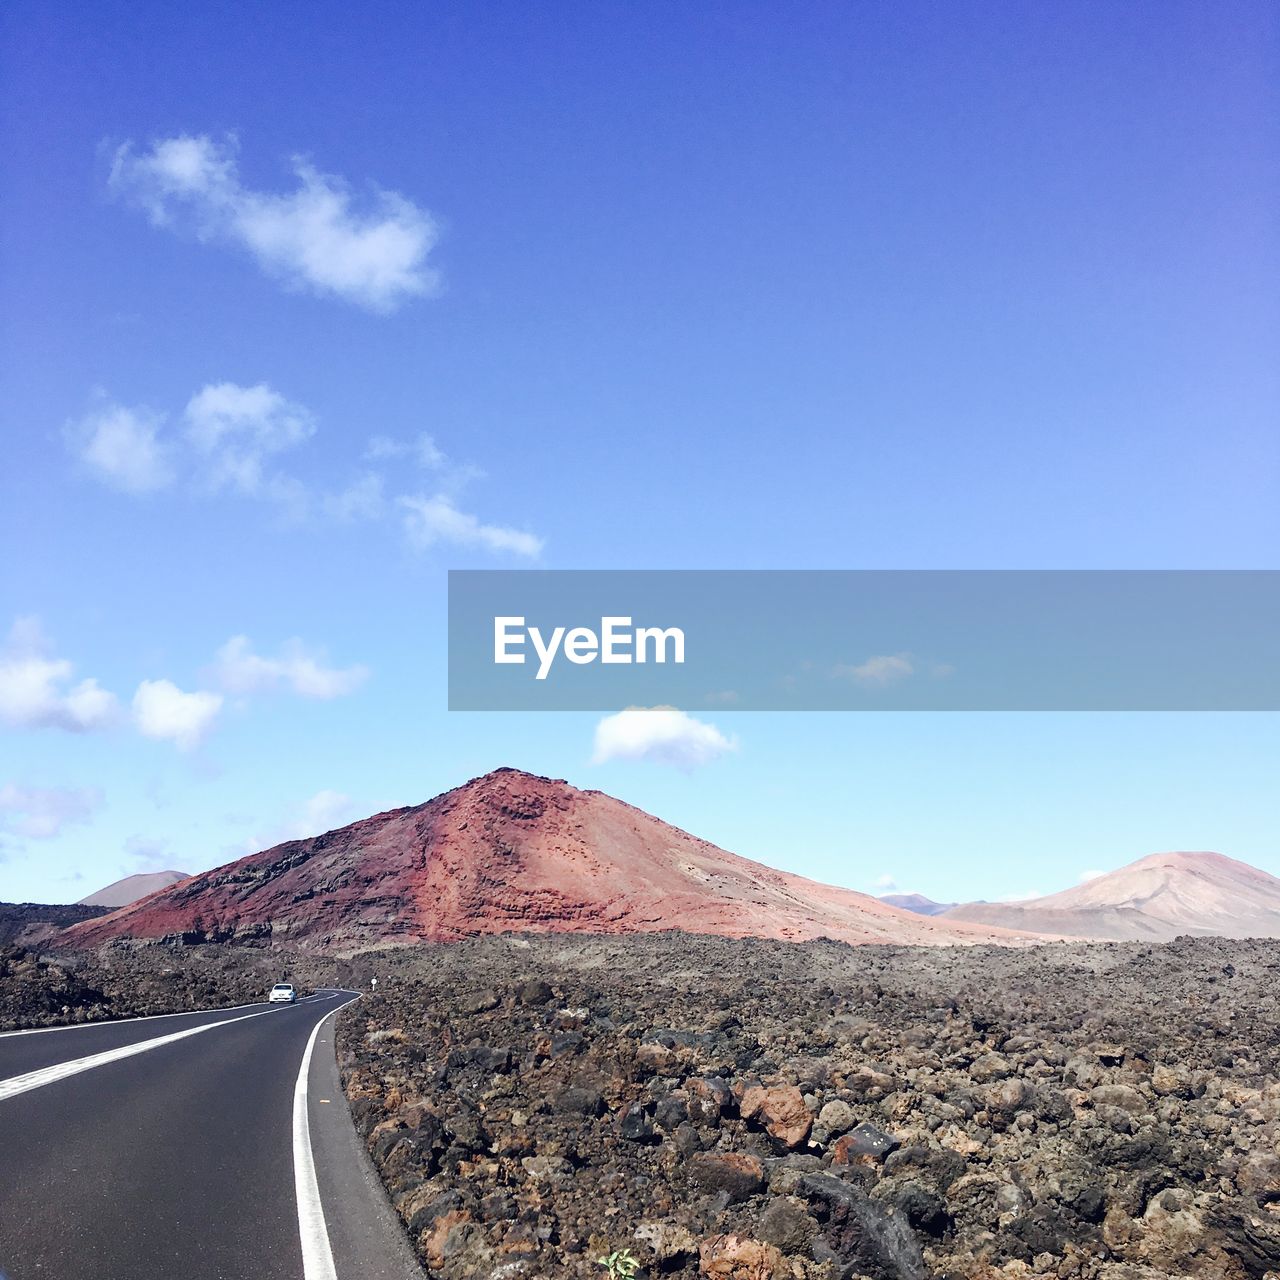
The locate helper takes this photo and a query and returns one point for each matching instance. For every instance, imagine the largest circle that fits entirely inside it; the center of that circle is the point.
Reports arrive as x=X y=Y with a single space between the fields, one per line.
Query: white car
x=283 y=993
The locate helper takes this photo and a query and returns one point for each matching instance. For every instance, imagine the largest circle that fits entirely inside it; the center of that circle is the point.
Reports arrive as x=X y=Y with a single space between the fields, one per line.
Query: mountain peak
x=1157 y=897
x=509 y=851
x=121 y=893
x=1201 y=860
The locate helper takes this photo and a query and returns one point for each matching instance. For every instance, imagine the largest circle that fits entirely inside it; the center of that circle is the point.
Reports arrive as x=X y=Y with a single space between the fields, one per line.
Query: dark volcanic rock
x=30 y=924
x=128 y=980
x=861 y=1237
x=747 y=1110
x=733 y=1172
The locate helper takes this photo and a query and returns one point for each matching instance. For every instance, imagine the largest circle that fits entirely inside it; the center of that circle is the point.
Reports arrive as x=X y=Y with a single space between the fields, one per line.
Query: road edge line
x=313 y=1230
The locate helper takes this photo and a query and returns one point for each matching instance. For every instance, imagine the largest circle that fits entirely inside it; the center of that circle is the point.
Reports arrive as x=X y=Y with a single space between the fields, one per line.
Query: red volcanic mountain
x=509 y=852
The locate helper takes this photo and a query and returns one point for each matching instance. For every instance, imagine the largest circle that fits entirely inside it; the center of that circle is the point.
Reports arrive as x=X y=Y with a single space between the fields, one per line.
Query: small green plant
x=621 y=1264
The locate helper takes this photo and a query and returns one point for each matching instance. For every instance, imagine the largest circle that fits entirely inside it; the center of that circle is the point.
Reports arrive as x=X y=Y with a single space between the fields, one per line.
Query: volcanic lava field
x=748 y=1109
x=752 y=1110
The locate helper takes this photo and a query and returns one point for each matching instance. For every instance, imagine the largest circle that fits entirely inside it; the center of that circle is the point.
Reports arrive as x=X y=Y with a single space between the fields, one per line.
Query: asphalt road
x=191 y=1147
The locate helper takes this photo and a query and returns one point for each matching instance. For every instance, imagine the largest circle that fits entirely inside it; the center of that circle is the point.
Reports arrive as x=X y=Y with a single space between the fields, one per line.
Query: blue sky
x=861 y=286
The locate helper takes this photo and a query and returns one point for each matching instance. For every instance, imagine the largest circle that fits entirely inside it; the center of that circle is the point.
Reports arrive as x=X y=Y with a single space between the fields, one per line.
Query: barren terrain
x=751 y=1110
x=127 y=980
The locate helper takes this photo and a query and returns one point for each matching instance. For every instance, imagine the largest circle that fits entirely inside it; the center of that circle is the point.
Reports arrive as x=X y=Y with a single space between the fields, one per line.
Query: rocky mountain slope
x=508 y=852
x=122 y=892
x=1159 y=897
x=28 y=924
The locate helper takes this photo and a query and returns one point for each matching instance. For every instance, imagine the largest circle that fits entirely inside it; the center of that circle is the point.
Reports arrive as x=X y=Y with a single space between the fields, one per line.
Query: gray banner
x=864 y=640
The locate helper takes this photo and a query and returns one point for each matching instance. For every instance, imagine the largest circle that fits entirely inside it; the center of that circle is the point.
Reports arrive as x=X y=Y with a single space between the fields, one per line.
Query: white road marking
x=317 y=1254
x=150 y=1017
x=15 y=1085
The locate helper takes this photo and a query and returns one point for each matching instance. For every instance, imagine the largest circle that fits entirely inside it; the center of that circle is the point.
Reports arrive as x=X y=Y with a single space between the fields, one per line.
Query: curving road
x=203 y=1146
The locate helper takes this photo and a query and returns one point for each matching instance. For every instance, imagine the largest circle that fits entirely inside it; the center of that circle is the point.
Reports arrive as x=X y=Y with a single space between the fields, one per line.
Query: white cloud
x=428 y=521
x=424 y=451
x=123 y=448
x=661 y=735
x=878 y=671
x=325 y=811
x=1086 y=876
x=886 y=881
x=162 y=710
x=241 y=671
x=235 y=429
x=231 y=438
x=312 y=237
x=40 y=813
x=36 y=690
x=365 y=498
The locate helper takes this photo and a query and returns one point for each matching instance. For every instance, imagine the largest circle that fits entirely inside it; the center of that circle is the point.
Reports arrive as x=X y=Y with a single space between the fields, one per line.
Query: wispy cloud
x=878 y=671
x=364 y=499
x=148 y=854
x=122 y=448
x=37 y=689
x=1086 y=876
x=323 y=812
x=40 y=813
x=424 y=451
x=229 y=436
x=434 y=520
x=230 y=441
x=235 y=430
x=315 y=237
x=661 y=735
x=163 y=711
x=239 y=670
x=886 y=882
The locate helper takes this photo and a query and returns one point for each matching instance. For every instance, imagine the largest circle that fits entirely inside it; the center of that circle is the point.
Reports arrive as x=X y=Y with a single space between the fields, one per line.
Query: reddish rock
x=657 y=1057
x=781 y=1111
x=864 y=1145
x=727 y=1257
x=708 y=1098
x=436 y=1237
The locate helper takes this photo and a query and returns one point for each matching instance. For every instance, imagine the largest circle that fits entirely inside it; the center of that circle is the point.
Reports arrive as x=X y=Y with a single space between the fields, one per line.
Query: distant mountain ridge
x=1154 y=899
x=120 y=893
x=916 y=902
x=509 y=852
